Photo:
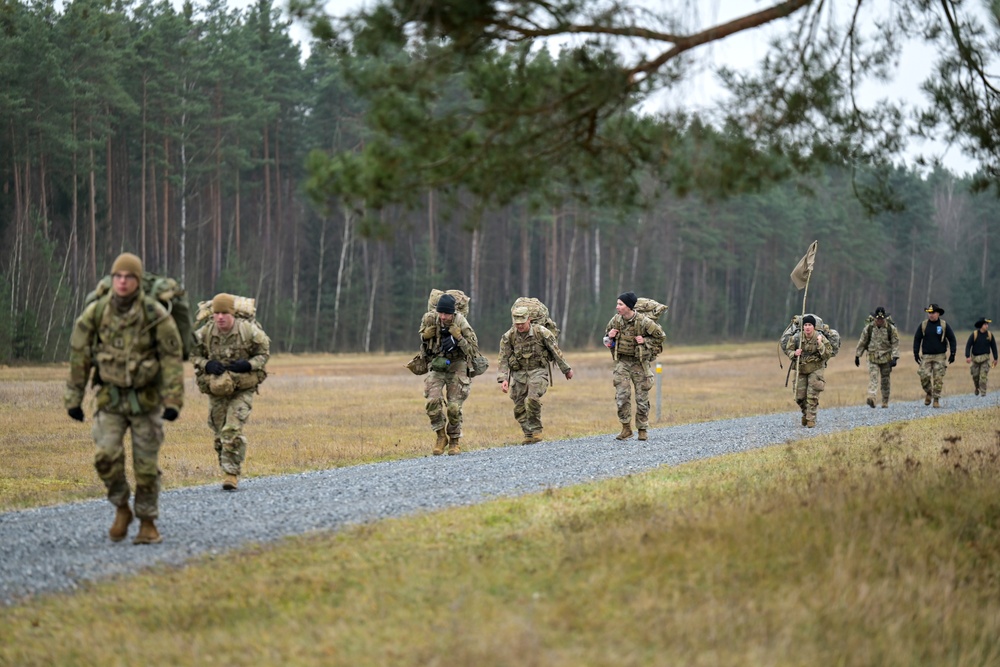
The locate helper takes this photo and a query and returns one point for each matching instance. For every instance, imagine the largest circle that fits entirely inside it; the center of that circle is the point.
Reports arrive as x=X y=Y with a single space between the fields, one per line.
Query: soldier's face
x=522 y=327
x=808 y=328
x=983 y=328
x=224 y=321
x=124 y=284
x=622 y=309
x=446 y=318
x=933 y=317
x=880 y=321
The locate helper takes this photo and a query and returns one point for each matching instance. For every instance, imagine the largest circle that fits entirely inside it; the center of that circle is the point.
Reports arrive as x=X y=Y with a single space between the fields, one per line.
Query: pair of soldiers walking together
x=129 y=347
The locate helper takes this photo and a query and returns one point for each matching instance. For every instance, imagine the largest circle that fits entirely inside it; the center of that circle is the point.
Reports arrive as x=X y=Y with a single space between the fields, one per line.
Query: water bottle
x=609 y=342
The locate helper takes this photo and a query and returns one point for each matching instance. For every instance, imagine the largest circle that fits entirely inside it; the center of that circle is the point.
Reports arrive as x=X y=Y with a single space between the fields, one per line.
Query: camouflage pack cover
x=167 y=291
x=246 y=308
x=650 y=308
x=461 y=300
x=537 y=311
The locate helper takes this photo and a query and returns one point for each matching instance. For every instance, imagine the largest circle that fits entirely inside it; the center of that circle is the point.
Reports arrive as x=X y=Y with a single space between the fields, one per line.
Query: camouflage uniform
x=447 y=384
x=135 y=349
x=816 y=351
x=931 y=343
x=228 y=414
x=977 y=352
x=632 y=365
x=882 y=345
x=525 y=360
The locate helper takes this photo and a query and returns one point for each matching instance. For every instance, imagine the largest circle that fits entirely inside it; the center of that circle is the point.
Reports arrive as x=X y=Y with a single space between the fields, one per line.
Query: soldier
x=813 y=351
x=229 y=357
x=977 y=354
x=635 y=340
x=526 y=352
x=933 y=338
x=135 y=349
x=448 y=342
x=881 y=340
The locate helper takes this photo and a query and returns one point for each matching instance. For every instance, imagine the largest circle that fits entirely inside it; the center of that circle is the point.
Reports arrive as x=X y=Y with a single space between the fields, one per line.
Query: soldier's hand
x=857 y=362
x=640 y=340
x=951 y=359
x=455 y=332
x=239 y=366
x=428 y=332
x=968 y=360
x=170 y=414
x=612 y=333
x=215 y=367
x=569 y=374
x=894 y=360
x=76 y=413
x=505 y=386
x=916 y=357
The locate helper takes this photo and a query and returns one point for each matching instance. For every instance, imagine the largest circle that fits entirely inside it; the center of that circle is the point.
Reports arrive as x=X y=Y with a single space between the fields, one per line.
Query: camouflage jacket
x=628 y=330
x=881 y=343
x=816 y=351
x=246 y=340
x=526 y=351
x=137 y=357
x=430 y=337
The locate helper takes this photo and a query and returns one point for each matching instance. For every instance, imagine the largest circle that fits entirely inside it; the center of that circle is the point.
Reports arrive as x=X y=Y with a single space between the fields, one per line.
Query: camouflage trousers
x=932 y=370
x=446 y=393
x=227 y=415
x=807 y=391
x=109 y=460
x=526 y=390
x=878 y=377
x=980 y=369
x=630 y=373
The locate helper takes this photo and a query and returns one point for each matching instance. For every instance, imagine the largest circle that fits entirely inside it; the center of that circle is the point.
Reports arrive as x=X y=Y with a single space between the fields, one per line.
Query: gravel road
x=56 y=548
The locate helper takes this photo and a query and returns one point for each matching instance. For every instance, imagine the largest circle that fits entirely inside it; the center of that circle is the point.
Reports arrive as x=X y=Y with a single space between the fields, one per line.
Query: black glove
x=76 y=413
x=951 y=359
x=170 y=414
x=239 y=366
x=857 y=362
x=916 y=357
x=894 y=360
x=215 y=367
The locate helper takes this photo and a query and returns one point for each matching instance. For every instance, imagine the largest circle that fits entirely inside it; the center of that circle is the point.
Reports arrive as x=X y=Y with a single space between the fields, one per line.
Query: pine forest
x=183 y=135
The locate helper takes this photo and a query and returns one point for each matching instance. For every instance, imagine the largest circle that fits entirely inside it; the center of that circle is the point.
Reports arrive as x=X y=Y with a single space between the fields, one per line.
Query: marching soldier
x=635 y=340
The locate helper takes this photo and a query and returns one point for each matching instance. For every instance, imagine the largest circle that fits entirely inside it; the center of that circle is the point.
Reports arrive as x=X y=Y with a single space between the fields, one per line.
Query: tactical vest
x=811 y=359
x=879 y=343
x=228 y=347
x=625 y=345
x=125 y=347
x=528 y=352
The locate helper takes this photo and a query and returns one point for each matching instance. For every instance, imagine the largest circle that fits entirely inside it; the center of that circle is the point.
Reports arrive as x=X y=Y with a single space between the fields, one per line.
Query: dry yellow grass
x=321 y=411
x=876 y=547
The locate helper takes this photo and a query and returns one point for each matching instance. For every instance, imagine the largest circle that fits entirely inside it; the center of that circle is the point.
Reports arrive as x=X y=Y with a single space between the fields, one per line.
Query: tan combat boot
x=441 y=443
x=871 y=401
x=810 y=423
x=148 y=534
x=532 y=438
x=626 y=432
x=885 y=402
x=453 y=446
x=230 y=482
x=927 y=399
x=804 y=420
x=119 y=529
x=937 y=403
x=642 y=434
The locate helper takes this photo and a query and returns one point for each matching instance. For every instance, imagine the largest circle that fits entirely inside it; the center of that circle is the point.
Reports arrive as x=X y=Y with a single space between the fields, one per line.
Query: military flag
x=802 y=270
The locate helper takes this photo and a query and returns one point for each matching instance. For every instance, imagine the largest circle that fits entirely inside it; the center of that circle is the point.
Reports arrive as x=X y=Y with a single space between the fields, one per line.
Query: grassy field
x=880 y=546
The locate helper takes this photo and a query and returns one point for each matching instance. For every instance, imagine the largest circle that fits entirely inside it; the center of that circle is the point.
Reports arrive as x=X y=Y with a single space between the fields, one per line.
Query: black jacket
x=984 y=343
x=929 y=342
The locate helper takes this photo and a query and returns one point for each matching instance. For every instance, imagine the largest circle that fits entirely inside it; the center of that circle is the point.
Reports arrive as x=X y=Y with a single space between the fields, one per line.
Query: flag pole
x=795 y=384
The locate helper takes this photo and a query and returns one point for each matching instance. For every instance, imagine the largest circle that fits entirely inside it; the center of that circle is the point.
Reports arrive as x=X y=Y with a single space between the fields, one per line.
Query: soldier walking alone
x=134 y=347
x=977 y=354
x=813 y=351
x=930 y=349
x=635 y=340
x=881 y=340
x=526 y=351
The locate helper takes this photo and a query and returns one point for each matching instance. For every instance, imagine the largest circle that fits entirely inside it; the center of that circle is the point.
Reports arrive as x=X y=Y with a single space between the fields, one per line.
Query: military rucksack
x=649 y=308
x=164 y=289
x=975 y=335
x=828 y=332
x=461 y=300
x=245 y=312
x=244 y=308
x=538 y=312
